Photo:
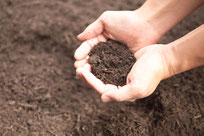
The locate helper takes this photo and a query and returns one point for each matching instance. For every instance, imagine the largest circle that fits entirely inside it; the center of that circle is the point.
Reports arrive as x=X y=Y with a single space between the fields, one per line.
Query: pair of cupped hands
x=127 y=27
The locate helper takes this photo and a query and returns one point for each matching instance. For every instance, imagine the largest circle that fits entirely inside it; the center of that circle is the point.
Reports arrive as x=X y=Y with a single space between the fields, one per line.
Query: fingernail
x=106 y=99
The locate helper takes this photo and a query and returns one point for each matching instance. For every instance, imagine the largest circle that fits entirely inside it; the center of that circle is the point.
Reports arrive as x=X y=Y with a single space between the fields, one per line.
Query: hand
x=124 y=26
x=151 y=67
x=138 y=29
x=128 y=27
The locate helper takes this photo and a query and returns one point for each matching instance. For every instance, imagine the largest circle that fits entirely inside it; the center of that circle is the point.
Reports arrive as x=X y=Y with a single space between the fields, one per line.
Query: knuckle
x=105 y=15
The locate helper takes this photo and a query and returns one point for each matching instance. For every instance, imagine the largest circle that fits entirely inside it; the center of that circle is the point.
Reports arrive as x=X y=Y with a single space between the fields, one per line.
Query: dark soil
x=111 y=62
x=41 y=96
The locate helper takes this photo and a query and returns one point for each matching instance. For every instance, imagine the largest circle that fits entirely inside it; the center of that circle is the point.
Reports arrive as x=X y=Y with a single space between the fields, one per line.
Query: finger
x=94 y=41
x=87 y=66
x=81 y=63
x=94 y=82
x=86 y=46
x=109 y=87
x=119 y=94
x=91 y=31
x=82 y=51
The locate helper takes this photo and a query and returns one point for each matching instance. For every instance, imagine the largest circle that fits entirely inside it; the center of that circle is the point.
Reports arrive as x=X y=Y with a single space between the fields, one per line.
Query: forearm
x=187 y=52
x=165 y=14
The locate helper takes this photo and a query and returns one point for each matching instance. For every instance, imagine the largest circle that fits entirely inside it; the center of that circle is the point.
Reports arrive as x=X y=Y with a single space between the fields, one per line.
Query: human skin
x=137 y=31
x=187 y=51
x=154 y=63
x=139 y=28
x=163 y=15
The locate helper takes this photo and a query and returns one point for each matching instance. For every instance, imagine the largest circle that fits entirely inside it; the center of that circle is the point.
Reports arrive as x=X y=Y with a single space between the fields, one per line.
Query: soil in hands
x=40 y=94
x=111 y=62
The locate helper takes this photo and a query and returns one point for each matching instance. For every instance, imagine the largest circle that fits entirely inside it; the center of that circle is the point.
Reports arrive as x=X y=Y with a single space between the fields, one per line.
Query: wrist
x=154 y=14
x=177 y=60
x=187 y=52
x=164 y=15
x=149 y=21
x=168 y=61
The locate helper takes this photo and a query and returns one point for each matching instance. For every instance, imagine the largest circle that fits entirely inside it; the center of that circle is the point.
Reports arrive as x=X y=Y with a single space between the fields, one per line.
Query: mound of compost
x=111 y=62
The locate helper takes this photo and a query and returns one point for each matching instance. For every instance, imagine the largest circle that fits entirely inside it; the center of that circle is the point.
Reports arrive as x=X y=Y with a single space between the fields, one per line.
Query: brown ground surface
x=111 y=62
x=40 y=94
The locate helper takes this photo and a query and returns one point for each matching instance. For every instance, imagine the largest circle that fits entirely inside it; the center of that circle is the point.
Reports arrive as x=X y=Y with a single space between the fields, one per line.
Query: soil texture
x=40 y=94
x=111 y=62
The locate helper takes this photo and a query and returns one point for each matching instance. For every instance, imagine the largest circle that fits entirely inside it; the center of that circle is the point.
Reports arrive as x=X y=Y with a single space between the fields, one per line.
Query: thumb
x=91 y=31
x=125 y=93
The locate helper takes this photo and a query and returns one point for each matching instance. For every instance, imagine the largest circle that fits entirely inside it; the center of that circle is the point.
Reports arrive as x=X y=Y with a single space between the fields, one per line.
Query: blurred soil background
x=41 y=96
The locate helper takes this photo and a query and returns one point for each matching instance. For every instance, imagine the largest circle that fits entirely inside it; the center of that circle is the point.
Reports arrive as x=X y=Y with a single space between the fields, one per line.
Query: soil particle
x=41 y=95
x=111 y=62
